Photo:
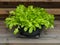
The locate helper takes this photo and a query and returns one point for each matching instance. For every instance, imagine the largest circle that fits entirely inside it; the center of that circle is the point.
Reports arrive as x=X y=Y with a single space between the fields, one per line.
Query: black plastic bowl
x=30 y=35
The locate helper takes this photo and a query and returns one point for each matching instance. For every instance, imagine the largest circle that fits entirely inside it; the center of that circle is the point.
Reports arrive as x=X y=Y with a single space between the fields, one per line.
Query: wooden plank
x=3 y=44
x=13 y=0
x=2 y=27
x=35 y=43
x=5 y=10
x=39 y=0
x=24 y=0
x=54 y=31
x=29 y=0
x=44 y=0
x=51 y=36
x=55 y=0
x=55 y=11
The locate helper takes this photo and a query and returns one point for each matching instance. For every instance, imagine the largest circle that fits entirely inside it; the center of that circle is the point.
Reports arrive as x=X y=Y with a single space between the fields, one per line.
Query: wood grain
x=29 y=0
x=50 y=32
x=44 y=0
x=49 y=36
x=13 y=0
x=55 y=11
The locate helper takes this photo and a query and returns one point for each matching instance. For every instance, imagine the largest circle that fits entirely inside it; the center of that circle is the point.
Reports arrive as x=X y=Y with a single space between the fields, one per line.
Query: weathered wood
x=29 y=0
x=55 y=11
x=13 y=0
x=51 y=33
x=38 y=0
x=55 y=0
x=5 y=10
x=23 y=0
x=44 y=0
x=35 y=43
x=2 y=27
x=50 y=36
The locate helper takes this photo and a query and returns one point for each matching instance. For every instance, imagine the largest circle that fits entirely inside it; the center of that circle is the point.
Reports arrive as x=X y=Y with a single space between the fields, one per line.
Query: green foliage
x=29 y=17
x=16 y=31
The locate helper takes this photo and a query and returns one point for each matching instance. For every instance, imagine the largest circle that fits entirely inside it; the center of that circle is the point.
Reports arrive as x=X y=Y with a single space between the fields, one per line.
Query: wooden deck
x=50 y=36
x=30 y=0
x=55 y=11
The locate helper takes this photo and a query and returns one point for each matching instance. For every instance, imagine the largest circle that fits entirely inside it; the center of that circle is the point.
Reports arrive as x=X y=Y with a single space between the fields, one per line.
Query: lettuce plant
x=29 y=17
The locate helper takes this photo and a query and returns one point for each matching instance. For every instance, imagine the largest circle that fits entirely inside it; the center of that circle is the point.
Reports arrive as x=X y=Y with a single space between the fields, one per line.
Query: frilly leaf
x=16 y=31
